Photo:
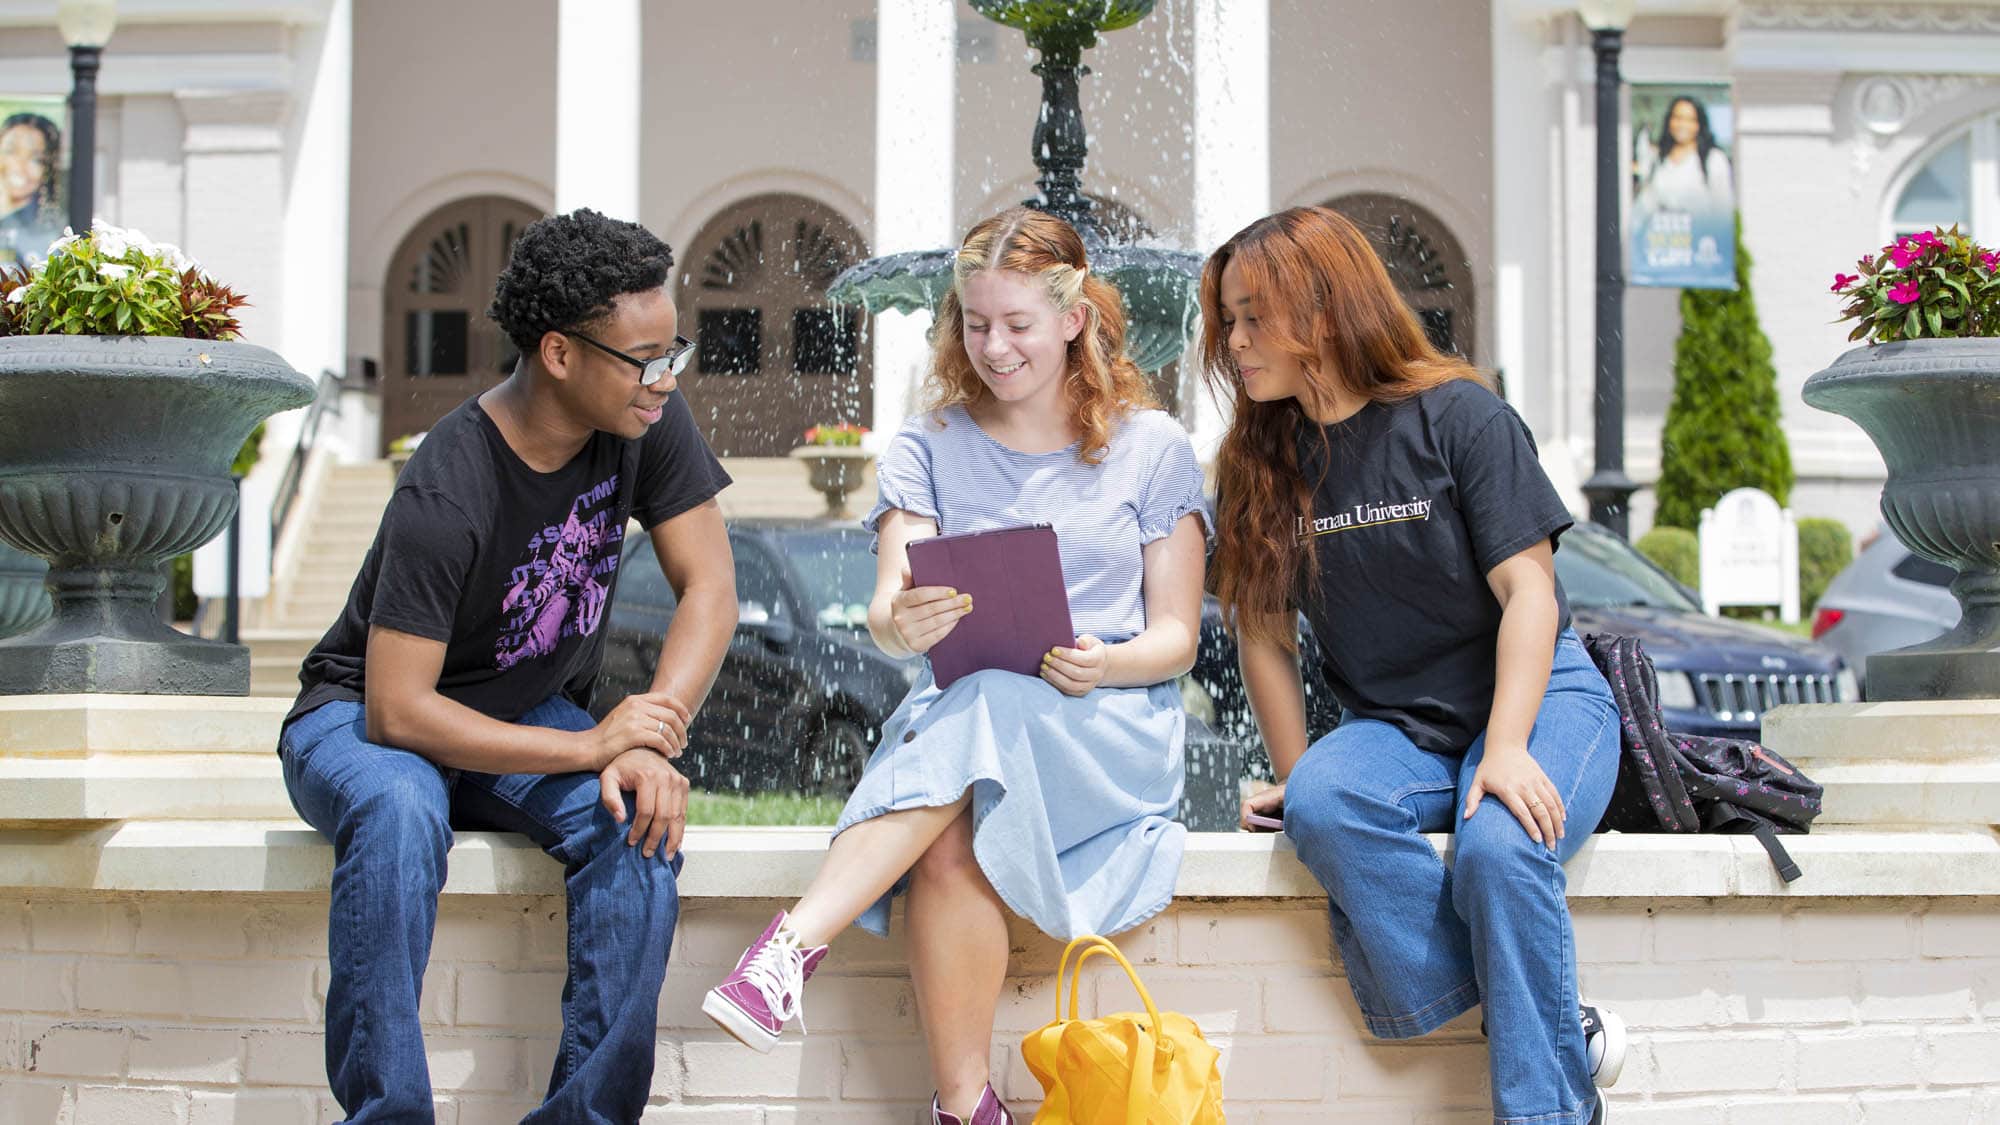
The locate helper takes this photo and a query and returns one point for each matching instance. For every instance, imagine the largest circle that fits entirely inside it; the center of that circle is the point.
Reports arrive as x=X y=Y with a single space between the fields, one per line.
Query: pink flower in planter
x=1907 y=293
x=1992 y=260
x=1843 y=280
x=1926 y=239
x=1907 y=252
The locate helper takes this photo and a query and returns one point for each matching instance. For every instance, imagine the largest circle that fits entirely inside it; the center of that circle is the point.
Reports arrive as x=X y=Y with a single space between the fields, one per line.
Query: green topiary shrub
x=1722 y=429
x=1825 y=547
x=1675 y=550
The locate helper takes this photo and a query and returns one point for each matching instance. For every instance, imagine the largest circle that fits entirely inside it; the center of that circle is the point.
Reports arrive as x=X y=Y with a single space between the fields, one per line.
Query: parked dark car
x=803 y=692
x=1885 y=599
x=1718 y=675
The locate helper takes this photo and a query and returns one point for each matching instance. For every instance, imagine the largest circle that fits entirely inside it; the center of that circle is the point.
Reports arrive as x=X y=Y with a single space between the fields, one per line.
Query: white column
x=1525 y=254
x=313 y=321
x=1232 y=157
x=597 y=106
x=916 y=83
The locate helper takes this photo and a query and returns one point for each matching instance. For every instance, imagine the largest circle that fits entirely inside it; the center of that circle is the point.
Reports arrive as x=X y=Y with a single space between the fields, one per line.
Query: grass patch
x=761 y=809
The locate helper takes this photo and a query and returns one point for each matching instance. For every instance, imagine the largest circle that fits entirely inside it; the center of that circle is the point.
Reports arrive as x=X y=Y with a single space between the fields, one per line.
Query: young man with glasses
x=451 y=692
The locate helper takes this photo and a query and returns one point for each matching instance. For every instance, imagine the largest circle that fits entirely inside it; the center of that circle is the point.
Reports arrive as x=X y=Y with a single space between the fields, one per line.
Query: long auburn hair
x=1103 y=385
x=1325 y=300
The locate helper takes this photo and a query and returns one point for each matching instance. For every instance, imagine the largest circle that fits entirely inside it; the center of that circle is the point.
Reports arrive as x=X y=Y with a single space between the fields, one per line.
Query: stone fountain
x=1158 y=282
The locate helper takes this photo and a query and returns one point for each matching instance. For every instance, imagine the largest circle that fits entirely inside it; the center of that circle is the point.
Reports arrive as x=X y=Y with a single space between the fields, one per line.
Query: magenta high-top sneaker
x=754 y=1002
x=990 y=1111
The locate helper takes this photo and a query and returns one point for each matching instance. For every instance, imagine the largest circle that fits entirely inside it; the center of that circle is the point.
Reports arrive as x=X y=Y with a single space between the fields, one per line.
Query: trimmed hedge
x=1825 y=548
x=1675 y=550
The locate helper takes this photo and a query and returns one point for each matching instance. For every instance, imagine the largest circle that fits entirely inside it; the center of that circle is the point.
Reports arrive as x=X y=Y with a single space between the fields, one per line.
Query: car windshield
x=837 y=575
x=1598 y=570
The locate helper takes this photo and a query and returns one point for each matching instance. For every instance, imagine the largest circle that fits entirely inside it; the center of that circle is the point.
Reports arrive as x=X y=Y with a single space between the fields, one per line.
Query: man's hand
x=659 y=799
x=652 y=720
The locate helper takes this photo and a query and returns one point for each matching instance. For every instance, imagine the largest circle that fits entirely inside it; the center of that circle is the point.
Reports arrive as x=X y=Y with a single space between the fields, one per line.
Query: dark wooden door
x=774 y=356
x=438 y=346
x=1425 y=261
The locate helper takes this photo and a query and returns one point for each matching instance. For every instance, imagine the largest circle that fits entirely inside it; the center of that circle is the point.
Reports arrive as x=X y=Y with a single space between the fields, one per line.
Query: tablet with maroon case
x=1020 y=607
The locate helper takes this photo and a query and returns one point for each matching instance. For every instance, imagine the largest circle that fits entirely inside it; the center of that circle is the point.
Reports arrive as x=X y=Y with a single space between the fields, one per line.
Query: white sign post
x=1750 y=554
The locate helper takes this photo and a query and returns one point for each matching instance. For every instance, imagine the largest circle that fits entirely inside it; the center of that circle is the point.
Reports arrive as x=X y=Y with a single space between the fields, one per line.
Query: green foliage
x=1932 y=284
x=114 y=282
x=762 y=808
x=1722 y=429
x=246 y=457
x=1825 y=548
x=1675 y=550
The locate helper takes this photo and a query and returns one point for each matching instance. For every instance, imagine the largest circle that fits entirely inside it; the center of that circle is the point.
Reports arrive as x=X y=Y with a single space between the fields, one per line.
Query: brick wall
x=200 y=1010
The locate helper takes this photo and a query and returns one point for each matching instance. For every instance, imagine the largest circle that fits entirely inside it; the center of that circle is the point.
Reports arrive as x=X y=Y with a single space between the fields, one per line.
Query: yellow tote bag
x=1129 y=1068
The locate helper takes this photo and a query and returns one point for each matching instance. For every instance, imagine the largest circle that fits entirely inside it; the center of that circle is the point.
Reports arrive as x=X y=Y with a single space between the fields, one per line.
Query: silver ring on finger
x=661 y=729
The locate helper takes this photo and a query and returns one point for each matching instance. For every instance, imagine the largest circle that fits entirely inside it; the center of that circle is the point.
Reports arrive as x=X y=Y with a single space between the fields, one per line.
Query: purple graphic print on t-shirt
x=561 y=588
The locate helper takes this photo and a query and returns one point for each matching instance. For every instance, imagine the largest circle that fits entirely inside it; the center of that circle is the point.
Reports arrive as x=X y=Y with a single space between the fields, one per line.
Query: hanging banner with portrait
x=1683 y=219
x=32 y=211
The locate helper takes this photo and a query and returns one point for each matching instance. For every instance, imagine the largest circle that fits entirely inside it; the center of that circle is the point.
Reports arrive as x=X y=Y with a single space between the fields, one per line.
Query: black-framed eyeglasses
x=650 y=370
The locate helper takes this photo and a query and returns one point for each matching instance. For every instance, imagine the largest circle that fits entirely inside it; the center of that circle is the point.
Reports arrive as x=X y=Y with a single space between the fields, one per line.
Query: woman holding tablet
x=1383 y=489
x=1050 y=796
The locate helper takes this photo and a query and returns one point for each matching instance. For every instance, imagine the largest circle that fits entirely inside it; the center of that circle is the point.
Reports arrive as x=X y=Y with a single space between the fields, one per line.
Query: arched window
x=1958 y=183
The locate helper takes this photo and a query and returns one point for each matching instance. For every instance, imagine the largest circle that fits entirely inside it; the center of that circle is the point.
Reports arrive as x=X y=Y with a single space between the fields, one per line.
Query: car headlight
x=1846 y=689
x=1676 y=691
x=1196 y=700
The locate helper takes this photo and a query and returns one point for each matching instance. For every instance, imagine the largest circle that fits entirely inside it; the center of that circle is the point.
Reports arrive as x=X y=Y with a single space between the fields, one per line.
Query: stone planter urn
x=834 y=471
x=1933 y=409
x=24 y=602
x=117 y=459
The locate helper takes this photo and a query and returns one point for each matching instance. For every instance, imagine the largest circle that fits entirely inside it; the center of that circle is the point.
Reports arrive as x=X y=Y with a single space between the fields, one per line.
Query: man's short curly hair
x=566 y=270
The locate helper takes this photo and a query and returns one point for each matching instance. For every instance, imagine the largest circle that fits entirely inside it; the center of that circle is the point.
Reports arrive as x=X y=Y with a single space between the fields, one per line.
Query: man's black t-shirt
x=1415 y=502
x=510 y=568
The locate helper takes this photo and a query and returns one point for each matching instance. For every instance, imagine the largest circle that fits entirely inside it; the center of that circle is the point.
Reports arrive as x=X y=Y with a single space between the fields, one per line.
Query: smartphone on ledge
x=1266 y=823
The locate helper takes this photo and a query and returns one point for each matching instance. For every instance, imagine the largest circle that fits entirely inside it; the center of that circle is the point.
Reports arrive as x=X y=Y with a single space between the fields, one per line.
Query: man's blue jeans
x=1423 y=944
x=390 y=815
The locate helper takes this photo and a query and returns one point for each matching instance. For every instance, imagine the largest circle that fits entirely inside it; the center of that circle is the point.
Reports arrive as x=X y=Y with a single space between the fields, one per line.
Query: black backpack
x=1671 y=782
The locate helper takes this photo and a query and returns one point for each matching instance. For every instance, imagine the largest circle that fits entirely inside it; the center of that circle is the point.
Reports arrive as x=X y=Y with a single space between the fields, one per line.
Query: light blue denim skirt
x=1073 y=798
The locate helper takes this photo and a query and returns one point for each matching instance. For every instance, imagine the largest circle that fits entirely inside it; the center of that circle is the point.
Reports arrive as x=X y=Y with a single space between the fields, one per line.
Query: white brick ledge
x=284 y=857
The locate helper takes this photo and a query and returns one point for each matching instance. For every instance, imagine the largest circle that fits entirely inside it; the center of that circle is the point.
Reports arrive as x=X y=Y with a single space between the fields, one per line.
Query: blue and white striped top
x=943 y=466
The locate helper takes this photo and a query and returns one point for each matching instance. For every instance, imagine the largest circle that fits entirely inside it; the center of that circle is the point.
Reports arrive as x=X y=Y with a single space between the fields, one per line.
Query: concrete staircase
x=339 y=527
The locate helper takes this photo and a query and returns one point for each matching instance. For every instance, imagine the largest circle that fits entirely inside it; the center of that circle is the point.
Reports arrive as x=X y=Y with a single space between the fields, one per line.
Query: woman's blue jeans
x=390 y=815
x=1423 y=943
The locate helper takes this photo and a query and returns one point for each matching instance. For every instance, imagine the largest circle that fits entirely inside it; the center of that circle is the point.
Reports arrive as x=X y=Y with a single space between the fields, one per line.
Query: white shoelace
x=778 y=973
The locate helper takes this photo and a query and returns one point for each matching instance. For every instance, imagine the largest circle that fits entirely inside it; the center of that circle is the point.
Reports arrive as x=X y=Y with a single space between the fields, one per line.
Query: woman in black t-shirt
x=1383 y=490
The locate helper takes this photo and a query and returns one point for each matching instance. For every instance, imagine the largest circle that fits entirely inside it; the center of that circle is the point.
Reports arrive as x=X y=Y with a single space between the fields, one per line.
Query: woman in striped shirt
x=1052 y=797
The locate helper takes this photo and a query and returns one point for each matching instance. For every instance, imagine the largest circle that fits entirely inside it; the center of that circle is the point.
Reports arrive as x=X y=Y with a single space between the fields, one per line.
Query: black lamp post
x=86 y=26
x=1609 y=489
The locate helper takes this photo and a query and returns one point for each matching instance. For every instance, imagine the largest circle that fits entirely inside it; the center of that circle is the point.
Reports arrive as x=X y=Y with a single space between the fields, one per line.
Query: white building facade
x=359 y=166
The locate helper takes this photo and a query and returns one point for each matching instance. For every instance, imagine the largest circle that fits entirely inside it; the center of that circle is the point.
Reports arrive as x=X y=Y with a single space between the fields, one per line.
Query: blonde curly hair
x=1103 y=384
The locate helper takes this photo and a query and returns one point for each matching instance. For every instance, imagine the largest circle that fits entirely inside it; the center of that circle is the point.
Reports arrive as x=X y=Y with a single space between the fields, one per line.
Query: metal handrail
x=326 y=398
